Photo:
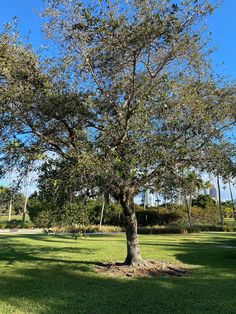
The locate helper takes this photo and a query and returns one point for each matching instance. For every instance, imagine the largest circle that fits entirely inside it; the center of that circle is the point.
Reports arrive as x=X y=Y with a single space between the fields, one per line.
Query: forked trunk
x=133 y=252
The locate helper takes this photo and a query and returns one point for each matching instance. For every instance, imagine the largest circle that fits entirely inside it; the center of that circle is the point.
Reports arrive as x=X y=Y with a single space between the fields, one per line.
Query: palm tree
x=232 y=199
x=191 y=183
x=219 y=199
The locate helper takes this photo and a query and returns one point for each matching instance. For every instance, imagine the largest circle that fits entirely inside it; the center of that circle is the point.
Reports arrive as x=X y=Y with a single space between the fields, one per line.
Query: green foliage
x=204 y=201
x=39 y=213
x=228 y=212
x=165 y=230
x=128 y=101
x=18 y=200
x=18 y=224
x=155 y=217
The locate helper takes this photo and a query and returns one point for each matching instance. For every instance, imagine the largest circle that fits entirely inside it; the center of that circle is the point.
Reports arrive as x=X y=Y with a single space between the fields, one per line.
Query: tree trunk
x=102 y=211
x=28 y=180
x=232 y=200
x=10 y=208
x=144 y=201
x=25 y=208
x=133 y=252
x=188 y=210
x=189 y=215
x=219 y=198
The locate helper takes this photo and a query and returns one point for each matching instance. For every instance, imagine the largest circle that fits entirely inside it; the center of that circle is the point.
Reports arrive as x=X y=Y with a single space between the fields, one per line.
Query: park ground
x=55 y=274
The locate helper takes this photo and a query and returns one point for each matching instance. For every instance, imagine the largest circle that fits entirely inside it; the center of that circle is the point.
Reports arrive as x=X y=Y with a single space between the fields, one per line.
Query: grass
x=16 y=222
x=230 y=221
x=4 y=218
x=54 y=274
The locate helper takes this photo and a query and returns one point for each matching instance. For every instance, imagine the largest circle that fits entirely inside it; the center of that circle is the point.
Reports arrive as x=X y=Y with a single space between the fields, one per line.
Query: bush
x=228 y=212
x=206 y=216
x=39 y=214
x=90 y=229
x=204 y=201
x=154 y=217
x=18 y=224
x=166 y=230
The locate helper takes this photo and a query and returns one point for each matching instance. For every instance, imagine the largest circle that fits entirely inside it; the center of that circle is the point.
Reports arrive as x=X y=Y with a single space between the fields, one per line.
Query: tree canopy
x=129 y=99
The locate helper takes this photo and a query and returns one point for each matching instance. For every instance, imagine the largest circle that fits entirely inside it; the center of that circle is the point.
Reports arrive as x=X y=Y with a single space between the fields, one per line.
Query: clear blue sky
x=222 y=25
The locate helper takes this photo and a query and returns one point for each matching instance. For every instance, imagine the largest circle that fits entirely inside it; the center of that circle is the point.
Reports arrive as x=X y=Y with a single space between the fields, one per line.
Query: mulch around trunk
x=149 y=268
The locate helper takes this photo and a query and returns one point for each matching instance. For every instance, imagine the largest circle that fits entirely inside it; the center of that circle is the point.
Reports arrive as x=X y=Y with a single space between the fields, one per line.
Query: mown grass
x=4 y=218
x=55 y=274
x=230 y=221
x=15 y=223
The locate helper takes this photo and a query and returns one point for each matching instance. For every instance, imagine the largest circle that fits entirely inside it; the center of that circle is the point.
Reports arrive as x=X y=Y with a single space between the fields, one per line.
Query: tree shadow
x=73 y=286
x=11 y=251
x=58 y=290
x=216 y=253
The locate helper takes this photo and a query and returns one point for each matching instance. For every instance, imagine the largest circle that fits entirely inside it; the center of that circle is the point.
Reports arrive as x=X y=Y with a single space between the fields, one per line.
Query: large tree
x=127 y=100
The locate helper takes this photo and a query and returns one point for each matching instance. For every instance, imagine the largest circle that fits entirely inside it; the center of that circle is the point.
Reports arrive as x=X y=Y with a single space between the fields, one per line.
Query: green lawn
x=54 y=274
x=230 y=221
x=16 y=221
x=15 y=217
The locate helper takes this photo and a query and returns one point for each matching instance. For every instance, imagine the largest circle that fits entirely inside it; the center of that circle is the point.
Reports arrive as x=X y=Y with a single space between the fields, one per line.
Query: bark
x=10 y=208
x=232 y=200
x=72 y=210
x=101 y=217
x=188 y=209
x=26 y=196
x=219 y=198
x=144 y=201
x=133 y=251
x=25 y=208
x=107 y=199
x=189 y=216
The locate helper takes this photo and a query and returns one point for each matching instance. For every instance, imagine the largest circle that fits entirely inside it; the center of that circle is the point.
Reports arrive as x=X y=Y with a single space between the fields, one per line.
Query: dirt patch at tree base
x=149 y=268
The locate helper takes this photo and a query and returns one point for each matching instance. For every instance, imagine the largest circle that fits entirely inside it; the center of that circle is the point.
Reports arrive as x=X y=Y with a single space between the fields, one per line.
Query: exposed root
x=146 y=269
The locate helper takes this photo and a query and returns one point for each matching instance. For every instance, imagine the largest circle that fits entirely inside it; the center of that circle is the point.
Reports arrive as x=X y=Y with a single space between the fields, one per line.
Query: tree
x=219 y=200
x=128 y=100
x=232 y=200
x=222 y=165
x=204 y=201
x=191 y=182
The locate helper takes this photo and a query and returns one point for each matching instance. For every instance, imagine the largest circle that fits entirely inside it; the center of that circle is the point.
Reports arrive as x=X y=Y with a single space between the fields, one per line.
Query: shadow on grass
x=66 y=288
x=12 y=251
x=217 y=253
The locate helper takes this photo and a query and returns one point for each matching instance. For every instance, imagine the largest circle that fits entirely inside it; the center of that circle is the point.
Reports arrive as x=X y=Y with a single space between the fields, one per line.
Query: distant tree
x=204 y=201
x=232 y=199
x=191 y=182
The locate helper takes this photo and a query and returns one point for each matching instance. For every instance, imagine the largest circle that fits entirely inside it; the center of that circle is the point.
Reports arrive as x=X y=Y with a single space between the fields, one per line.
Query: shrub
x=166 y=230
x=90 y=229
x=154 y=217
x=18 y=224
x=204 y=201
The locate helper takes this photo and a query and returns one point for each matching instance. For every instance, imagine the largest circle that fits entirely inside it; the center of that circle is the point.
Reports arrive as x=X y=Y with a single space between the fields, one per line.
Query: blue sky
x=222 y=26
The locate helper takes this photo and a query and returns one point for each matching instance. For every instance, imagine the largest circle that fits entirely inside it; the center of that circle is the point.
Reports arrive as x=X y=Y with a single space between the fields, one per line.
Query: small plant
x=80 y=236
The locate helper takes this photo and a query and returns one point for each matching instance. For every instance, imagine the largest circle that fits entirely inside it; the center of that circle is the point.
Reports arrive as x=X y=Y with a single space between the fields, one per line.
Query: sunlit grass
x=55 y=274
